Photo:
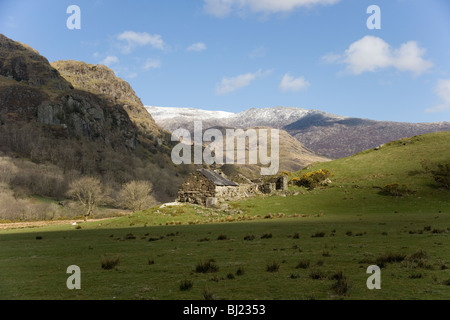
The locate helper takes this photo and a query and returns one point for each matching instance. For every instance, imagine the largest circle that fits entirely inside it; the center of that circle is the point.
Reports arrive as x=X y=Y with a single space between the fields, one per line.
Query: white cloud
x=289 y=83
x=443 y=91
x=258 y=52
x=222 y=8
x=197 y=47
x=228 y=85
x=371 y=54
x=110 y=60
x=152 y=64
x=140 y=39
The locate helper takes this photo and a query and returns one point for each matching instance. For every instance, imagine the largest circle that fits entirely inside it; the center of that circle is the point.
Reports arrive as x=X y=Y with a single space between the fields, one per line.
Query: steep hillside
x=93 y=128
x=396 y=162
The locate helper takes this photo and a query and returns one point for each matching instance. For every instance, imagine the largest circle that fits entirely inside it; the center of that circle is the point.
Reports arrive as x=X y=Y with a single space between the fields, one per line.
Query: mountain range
x=326 y=134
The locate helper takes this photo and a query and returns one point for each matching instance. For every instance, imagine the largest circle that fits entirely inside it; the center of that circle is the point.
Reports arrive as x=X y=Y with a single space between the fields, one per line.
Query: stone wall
x=196 y=189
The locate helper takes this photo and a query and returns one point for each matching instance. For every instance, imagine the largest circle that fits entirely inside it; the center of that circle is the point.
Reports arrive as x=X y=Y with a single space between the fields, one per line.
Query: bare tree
x=88 y=191
x=136 y=195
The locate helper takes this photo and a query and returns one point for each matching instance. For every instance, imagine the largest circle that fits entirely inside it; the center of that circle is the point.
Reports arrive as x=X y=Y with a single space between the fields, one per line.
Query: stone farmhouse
x=210 y=188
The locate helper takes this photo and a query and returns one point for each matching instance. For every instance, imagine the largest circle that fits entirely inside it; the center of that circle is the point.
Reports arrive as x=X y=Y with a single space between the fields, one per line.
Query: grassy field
x=304 y=245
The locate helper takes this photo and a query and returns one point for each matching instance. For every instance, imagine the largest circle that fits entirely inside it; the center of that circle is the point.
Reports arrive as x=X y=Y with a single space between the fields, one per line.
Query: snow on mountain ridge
x=277 y=117
x=163 y=113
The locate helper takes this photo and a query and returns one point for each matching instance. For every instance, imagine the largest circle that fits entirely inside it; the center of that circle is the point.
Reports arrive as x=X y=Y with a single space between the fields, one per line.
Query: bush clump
x=395 y=190
x=186 y=285
x=206 y=267
x=110 y=263
x=440 y=172
x=313 y=179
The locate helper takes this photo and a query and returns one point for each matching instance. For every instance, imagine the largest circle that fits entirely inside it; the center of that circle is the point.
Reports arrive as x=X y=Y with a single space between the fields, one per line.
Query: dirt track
x=39 y=224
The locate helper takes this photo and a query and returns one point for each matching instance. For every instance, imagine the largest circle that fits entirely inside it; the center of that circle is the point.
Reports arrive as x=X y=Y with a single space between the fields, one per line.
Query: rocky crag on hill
x=80 y=117
x=102 y=81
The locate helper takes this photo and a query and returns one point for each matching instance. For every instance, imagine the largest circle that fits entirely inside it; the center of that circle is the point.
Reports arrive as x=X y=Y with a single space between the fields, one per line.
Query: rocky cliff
x=83 y=100
x=101 y=80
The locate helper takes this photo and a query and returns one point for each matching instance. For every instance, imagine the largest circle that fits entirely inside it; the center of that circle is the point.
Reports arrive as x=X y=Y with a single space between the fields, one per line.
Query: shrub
x=419 y=259
x=266 y=236
x=222 y=237
x=326 y=253
x=273 y=267
x=110 y=263
x=440 y=172
x=382 y=260
x=240 y=271
x=317 y=275
x=206 y=267
x=395 y=190
x=208 y=294
x=341 y=286
x=337 y=276
x=312 y=180
x=303 y=264
x=319 y=234
x=186 y=285
x=230 y=276
x=130 y=236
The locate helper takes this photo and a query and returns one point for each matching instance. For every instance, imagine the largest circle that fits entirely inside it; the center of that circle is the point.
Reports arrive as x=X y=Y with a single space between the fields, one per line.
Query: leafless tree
x=88 y=192
x=136 y=195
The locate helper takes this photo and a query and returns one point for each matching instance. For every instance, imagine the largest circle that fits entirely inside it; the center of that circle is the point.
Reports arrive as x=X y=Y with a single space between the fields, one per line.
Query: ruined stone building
x=209 y=188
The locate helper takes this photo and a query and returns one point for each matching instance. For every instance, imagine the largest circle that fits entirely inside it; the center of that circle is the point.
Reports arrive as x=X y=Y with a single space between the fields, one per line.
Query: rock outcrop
x=96 y=106
x=25 y=65
x=101 y=80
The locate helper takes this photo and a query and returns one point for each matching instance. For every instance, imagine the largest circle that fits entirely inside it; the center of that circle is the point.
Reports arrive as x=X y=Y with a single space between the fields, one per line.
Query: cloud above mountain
x=222 y=8
x=371 y=54
x=228 y=85
x=289 y=83
x=135 y=40
x=443 y=92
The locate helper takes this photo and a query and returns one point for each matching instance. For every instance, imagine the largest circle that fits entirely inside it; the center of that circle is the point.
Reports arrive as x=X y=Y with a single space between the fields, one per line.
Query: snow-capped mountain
x=175 y=118
x=326 y=134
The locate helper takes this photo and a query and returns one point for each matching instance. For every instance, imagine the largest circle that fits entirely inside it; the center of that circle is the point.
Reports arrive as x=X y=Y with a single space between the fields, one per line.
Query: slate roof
x=217 y=179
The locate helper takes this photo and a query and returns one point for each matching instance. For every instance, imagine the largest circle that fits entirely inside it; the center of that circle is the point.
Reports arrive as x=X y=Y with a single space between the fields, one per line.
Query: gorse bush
x=313 y=179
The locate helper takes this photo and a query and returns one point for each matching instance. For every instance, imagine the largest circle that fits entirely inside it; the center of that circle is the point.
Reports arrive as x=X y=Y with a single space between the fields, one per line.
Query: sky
x=338 y=56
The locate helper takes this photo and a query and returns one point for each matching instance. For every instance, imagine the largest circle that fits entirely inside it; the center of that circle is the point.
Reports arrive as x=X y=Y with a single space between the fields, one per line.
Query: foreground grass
x=155 y=262
x=304 y=245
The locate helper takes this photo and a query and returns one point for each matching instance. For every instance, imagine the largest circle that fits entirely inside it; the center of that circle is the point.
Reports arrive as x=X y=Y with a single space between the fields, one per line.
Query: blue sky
x=232 y=55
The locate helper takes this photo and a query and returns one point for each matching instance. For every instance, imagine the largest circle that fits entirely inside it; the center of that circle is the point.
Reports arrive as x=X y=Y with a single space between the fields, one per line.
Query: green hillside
x=357 y=182
x=308 y=244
